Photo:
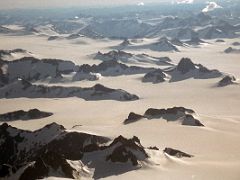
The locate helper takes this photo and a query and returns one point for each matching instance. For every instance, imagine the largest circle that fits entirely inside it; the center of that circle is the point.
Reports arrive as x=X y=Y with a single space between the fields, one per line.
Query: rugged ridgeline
x=125 y=57
x=23 y=88
x=205 y=25
x=54 y=151
x=54 y=70
x=162 y=45
x=9 y=54
x=33 y=69
x=184 y=70
x=110 y=68
x=24 y=115
x=174 y=25
x=180 y=115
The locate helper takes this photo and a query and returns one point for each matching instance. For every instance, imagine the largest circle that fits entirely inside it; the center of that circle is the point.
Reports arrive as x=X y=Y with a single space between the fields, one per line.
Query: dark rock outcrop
x=49 y=163
x=24 y=115
x=164 y=44
x=9 y=52
x=133 y=117
x=181 y=114
x=22 y=88
x=48 y=147
x=176 y=153
x=125 y=42
x=156 y=76
x=112 y=68
x=153 y=148
x=231 y=50
x=53 y=151
x=187 y=69
x=227 y=80
x=57 y=152
x=112 y=55
x=125 y=57
x=220 y=40
x=185 y=65
x=125 y=150
x=33 y=69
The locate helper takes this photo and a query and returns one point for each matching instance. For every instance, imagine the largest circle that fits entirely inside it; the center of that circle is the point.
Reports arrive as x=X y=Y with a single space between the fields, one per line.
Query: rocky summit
x=175 y=114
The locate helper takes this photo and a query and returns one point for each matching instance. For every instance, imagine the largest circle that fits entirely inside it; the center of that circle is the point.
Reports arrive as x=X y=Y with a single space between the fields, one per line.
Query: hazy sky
x=6 y=4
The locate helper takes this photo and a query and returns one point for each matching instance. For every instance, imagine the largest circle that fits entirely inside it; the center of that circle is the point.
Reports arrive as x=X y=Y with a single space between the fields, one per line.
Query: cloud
x=140 y=4
x=211 y=6
x=184 y=1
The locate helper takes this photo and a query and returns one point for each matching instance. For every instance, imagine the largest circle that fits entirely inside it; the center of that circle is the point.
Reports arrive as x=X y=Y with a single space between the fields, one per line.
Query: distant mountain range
x=220 y=23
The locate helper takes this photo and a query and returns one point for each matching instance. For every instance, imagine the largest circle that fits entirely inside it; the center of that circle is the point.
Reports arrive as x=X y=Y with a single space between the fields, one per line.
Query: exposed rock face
x=236 y=44
x=57 y=152
x=125 y=42
x=163 y=44
x=187 y=69
x=24 y=115
x=177 y=153
x=133 y=117
x=219 y=40
x=22 y=88
x=156 y=76
x=51 y=38
x=32 y=69
x=9 y=52
x=18 y=146
x=49 y=148
x=112 y=68
x=53 y=151
x=79 y=76
x=49 y=163
x=153 y=148
x=231 y=50
x=185 y=65
x=180 y=114
x=112 y=55
x=3 y=77
x=125 y=57
x=227 y=80
x=125 y=150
